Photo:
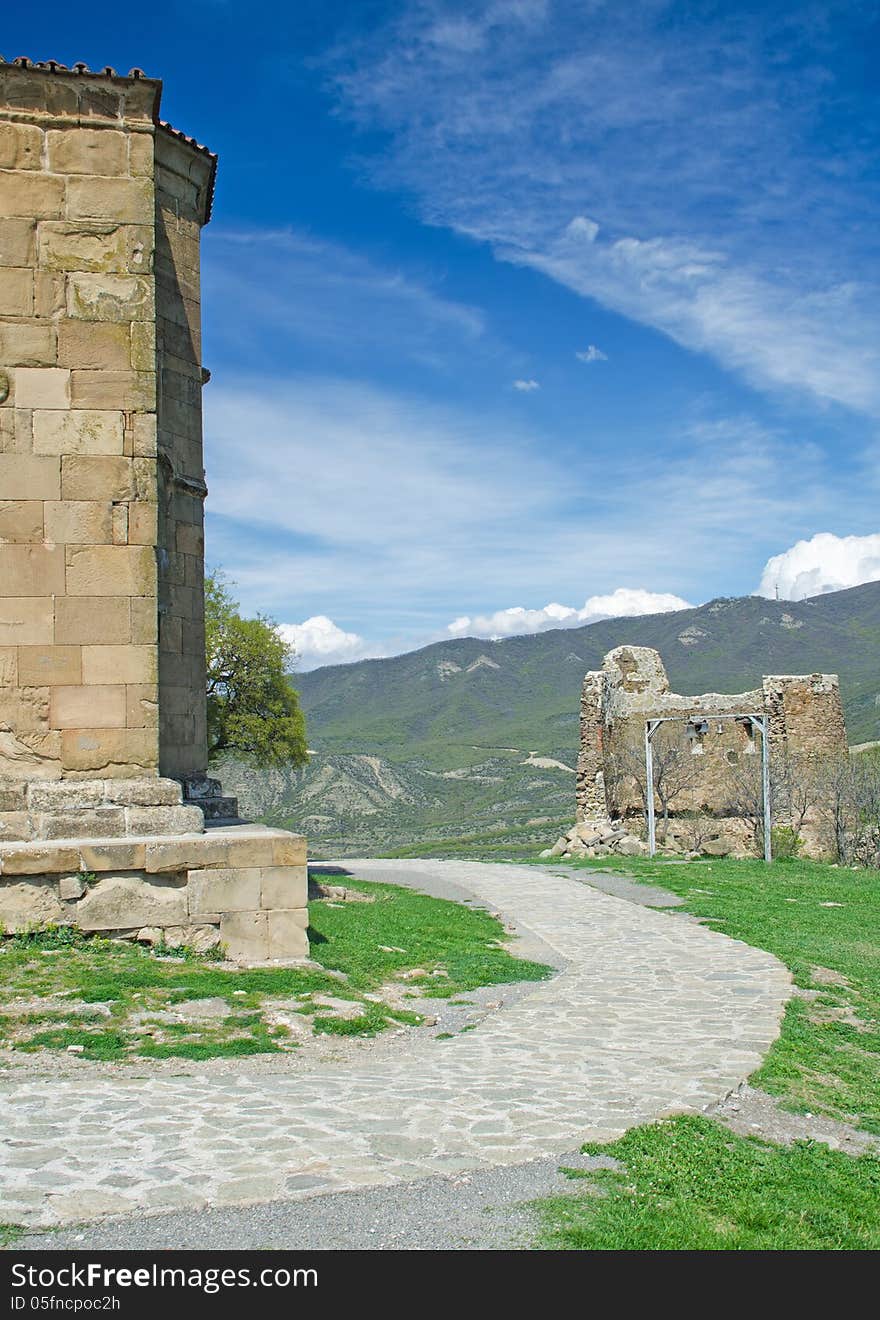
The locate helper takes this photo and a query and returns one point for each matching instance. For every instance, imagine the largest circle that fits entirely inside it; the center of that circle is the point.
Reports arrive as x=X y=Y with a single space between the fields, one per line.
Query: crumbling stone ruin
x=104 y=794
x=805 y=721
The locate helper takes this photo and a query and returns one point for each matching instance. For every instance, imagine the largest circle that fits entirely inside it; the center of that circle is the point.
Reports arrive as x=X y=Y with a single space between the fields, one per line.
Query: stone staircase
x=216 y=806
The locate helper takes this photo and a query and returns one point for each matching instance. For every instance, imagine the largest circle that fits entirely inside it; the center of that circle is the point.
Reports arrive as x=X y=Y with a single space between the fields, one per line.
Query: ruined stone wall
x=88 y=227
x=805 y=719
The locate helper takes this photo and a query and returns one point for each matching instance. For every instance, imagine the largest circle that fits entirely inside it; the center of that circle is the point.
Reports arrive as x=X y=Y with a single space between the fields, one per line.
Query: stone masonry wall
x=805 y=717
x=91 y=254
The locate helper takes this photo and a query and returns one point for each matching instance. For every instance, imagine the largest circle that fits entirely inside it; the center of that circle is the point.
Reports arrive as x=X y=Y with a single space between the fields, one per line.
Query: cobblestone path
x=651 y=1014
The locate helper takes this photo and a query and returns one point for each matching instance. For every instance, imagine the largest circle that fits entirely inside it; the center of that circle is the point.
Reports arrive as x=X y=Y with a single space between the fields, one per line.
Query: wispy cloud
x=707 y=178
x=406 y=513
x=526 y=386
x=591 y=354
x=290 y=284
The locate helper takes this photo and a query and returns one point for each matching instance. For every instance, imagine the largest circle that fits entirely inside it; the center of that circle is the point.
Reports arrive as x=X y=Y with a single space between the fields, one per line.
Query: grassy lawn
x=690 y=1183
x=120 y=1001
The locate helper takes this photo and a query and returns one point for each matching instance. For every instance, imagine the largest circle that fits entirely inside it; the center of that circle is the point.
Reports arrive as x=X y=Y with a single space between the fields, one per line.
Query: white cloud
x=513 y=622
x=823 y=563
x=592 y=354
x=526 y=386
x=318 y=641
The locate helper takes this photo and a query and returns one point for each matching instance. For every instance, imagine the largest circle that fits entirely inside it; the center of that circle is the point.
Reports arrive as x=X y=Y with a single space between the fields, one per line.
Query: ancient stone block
x=96 y=477
x=89 y=431
x=152 y=792
x=26 y=620
x=49 y=665
x=27 y=345
x=42 y=387
x=94 y=345
x=13 y=795
x=111 y=570
x=286 y=933
x=163 y=820
x=97 y=707
x=223 y=890
x=96 y=247
x=16 y=293
x=25 y=709
x=21 y=147
x=144 y=620
x=21 y=520
x=245 y=936
x=102 y=620
x=30 y=477
x=31 y=570
x=184 y=854
x=77 y=150
x=8 y=668
x=288 y=849
x=65 y=795
x=284 y=887
x=15 y=826
x=17 y=242
x=143 y=527
x=32 y=196
x=142 y=705
x=37 y=859
x=108 y=298
x=112 y=854
x=134 y=390
x=199 y=938
x=71 y=887
x=121 y=901
x=97 y=822
x=124 y=200
x=144 y=435
x=78 y=522
x=114 y=752
x=30 y=904
x=119 y=664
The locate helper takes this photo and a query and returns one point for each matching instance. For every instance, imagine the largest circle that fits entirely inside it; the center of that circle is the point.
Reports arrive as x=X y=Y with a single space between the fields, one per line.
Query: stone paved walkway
x=652 y=1014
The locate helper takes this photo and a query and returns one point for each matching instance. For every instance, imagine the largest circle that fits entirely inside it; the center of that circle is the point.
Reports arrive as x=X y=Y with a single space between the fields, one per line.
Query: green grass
x=134 y=986
x=827 y=1059
x=689 y=1184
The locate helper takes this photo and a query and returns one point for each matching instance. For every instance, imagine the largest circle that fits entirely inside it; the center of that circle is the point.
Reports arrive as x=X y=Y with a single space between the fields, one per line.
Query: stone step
x=218 y=808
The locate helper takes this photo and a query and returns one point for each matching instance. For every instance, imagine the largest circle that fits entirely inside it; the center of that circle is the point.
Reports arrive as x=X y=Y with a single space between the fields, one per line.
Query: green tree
x=253 y=710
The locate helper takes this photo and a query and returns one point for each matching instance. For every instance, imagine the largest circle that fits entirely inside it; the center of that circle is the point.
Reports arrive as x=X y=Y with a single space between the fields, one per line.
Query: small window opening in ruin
x=732 y=756
x=748 y=729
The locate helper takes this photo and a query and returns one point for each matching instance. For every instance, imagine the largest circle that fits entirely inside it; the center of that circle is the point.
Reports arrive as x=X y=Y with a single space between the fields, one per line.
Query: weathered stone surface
x=94 y=707
x=72 y=887
x=200 y=938
x=97 y=822
x=38 y=859
x=223 y=890
x=284 y=887
x=156 y=792
x=286 y=932
x=163 y=820
x=78 y=431
x=15 y=827
x=122 y=901
x=29 y=904
x=245 y=936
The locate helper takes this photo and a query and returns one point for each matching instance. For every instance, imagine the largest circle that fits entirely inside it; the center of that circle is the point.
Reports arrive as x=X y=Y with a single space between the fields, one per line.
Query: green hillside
x=442 y=742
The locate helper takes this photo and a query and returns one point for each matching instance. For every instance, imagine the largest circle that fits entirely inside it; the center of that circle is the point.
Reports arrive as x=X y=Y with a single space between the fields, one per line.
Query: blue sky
x=522 y=312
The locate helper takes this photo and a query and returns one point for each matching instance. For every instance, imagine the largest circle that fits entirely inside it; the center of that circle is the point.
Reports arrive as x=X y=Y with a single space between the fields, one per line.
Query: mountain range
x=474 y=740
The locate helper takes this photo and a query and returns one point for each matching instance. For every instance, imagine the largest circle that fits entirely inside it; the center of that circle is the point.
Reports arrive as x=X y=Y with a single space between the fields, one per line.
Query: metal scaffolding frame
x=759 y=722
